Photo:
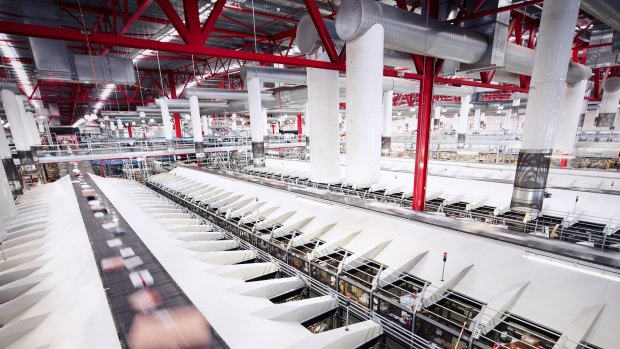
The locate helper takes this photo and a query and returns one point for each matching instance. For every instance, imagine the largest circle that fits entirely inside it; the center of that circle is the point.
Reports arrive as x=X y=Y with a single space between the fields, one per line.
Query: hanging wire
x=139 y=79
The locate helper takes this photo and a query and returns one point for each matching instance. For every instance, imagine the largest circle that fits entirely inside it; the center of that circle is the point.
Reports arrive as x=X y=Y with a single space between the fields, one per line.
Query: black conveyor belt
x=118 y=285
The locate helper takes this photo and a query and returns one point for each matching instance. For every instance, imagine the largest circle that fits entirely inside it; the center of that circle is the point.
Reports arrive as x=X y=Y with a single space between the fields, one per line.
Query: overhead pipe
x=273 y=75
x=308 y=42
x=409 y=32
x=605 y=11
x=547 y=88
x=214 y=93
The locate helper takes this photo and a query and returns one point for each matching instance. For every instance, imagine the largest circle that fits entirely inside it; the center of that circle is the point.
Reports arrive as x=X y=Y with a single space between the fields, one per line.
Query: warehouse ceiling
x=181 y=43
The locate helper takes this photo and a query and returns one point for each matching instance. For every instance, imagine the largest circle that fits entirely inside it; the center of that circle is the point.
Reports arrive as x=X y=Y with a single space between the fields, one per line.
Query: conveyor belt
x=545 y=246
x=118 y=285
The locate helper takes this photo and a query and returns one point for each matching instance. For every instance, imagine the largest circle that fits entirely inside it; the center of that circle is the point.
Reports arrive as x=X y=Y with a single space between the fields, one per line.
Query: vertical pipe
x=322 y=118
x=194 y=113
x=564 y=142
x=476 y=119
x=129 y=131
x=205 y=125
x=547 y=86
x=266 y=122
x=364 y=85
x=257 y=122
x=514 y=110
x=423 y=135
x=507 y=119
x=461 y=126
x=119 y=126
x=608 y=108
x=386 y=131
x=165 y=120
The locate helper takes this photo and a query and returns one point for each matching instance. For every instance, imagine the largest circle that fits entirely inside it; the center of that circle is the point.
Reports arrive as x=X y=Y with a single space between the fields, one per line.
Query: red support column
x=423 y=136
x=173 y=95
x=425 y=107
x=299 y=126
x=129 y=131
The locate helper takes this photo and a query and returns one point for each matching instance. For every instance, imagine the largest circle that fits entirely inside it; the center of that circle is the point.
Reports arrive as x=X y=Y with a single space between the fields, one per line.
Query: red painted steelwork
x=299 y=126
x=173 y=95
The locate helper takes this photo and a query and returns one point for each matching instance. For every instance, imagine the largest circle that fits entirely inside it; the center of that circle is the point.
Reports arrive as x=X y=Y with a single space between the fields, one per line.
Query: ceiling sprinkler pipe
x=273 y=75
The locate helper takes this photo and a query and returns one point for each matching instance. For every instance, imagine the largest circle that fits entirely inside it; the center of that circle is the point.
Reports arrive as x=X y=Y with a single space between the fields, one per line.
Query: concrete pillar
x=507 y=120
x=461 y=125
x=205 y=125
x=514 y=111
x=257 y=122
x=386 y=131
x=564 y=142
x=606 y=113
x=476 y=119
x=364 y=86
x=194 y=113
x=6 y=200
x=322 y=118
x=267 y=126
x=547 y=87
x=165 y=120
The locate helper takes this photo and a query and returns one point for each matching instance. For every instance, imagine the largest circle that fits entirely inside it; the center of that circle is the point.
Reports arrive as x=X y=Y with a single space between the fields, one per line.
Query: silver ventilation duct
x=398 y=85
x=606 y=11
x=409 y=32
x=273 y=75
x=308 y=41
x=214 y=93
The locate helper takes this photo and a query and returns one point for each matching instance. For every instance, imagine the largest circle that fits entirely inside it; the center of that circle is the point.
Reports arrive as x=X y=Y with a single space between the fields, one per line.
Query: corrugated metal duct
x=308 y=42
x=214 y=93
x=410 y=32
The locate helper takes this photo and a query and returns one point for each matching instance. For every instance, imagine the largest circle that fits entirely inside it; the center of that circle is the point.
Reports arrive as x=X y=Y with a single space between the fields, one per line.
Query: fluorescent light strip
x=18 y=69
x=572 y=267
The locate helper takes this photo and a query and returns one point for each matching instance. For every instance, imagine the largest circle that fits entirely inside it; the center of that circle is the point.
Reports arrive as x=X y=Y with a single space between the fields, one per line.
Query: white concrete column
x=552 y=55
x=461 y=125
x=322 y=118
x=165 y=120
x=9 y=166
x=32 y=123
x=267 y=127
x=606 y=113
x=364 y=88
x=257 y=122
x=386 y=131
x=194 y=113
x=507 y=120
x=476 y=119
x=564 y=142
x=22 y=135
x=7 y=203
x=205 y=124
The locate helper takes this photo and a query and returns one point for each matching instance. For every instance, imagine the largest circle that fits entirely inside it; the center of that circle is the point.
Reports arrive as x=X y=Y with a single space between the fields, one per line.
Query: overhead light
x=500 y=107
x=6 y=125
x=571 y=266
x=151 y=120
x=412 y=109
x=143 y=121
x=399 y=113
x=103 y=94
x=23 y=79
x=133 y=122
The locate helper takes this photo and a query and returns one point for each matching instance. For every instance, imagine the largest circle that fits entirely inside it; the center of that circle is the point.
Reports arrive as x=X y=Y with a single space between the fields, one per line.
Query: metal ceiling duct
x=273 y=75
x=520 y=60
x=214 y=93
x=184 y=103
x=308 y=41
x=409 y=32
x=606 y=11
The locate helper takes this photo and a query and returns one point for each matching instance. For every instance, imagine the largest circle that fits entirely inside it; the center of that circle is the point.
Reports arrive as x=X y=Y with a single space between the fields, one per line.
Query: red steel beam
x=134 y=17
x=175 y=20
x=190 y=11
x=210 y=23
x=123 y=41
x=328 y=44
x=173 y=95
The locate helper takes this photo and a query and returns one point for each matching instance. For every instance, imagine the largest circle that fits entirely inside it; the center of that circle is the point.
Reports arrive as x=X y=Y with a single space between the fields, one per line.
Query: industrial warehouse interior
x=310 y=174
